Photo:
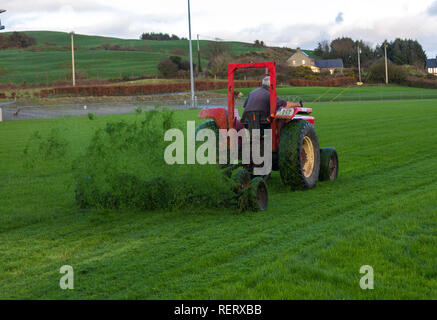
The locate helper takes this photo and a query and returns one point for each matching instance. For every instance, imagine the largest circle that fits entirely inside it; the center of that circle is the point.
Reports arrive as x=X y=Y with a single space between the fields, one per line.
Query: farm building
x=331 y=65
x=431 y=66
x=301 y=58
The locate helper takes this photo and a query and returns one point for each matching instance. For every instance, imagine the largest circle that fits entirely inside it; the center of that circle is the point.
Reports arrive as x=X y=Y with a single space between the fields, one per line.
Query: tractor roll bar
x=231 y=98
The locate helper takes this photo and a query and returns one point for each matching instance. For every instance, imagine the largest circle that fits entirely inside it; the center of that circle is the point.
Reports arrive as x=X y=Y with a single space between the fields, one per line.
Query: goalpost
x=1 y=115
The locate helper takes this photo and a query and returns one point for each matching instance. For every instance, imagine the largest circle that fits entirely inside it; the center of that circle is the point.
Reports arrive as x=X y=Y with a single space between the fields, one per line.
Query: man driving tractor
x=258 y=104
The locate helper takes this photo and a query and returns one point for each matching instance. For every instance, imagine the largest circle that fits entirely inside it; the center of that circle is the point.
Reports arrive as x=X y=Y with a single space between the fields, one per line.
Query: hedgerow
x=144 y=89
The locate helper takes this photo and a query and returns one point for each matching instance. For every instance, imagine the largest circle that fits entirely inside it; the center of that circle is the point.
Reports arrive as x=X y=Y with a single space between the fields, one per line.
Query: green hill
x=50 y=59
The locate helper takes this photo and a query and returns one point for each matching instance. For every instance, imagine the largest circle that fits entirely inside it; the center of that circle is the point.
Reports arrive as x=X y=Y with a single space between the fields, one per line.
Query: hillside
x=50 y=59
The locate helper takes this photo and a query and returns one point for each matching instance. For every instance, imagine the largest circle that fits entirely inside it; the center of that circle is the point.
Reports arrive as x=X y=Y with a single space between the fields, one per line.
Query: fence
x=12 y=112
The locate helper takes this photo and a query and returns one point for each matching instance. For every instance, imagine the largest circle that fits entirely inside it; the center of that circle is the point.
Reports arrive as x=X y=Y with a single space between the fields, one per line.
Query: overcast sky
x=277 y=22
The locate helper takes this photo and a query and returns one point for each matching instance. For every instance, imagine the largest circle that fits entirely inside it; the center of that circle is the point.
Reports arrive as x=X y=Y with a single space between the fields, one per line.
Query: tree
x=258 y=44
x=404 y=51
x=22 y=40
x=182 y=64
x=219 y=64
x=323 y=50
x=346 y=49
x=159 y=36
x=16 y=40
x=396 y=73
x=167 y=68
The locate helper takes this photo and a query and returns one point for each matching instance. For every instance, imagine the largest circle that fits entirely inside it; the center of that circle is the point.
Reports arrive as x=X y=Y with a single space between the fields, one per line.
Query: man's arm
x=245 y=103
x=280 y=102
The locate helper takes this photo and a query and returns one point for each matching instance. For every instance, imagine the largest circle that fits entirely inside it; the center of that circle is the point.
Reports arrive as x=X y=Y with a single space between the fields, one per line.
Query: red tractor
x=295 y=147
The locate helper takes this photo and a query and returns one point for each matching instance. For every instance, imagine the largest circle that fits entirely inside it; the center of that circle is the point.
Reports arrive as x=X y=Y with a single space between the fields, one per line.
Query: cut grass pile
x=382 y=212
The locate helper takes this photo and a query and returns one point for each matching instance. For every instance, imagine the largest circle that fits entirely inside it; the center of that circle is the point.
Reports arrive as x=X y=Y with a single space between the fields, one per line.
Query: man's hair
x=266 y=81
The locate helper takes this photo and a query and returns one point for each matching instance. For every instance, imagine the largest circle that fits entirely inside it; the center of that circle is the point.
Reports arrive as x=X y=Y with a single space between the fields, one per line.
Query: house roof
x=304 y=53
x=431 y=63
x=309 y=54
x=330 y=63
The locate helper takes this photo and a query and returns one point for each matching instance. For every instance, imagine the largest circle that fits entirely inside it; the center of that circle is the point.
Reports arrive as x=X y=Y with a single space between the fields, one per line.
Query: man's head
x=266 y=81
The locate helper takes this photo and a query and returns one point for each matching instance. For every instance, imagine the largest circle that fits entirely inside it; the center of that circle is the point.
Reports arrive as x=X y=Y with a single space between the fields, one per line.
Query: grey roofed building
x=330 y=63
x=431 y=63
x=301 y=58
x=431 y=66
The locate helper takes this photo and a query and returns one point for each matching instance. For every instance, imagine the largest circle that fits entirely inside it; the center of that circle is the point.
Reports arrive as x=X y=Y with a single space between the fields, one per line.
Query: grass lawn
x=382 y=212
x=20 y=66
x=336 y=94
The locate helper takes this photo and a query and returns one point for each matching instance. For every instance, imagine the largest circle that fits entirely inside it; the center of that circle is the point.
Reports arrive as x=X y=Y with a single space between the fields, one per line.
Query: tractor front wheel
x=299 y=155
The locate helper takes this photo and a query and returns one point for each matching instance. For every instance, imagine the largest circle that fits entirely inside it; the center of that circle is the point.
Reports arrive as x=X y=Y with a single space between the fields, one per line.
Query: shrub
x=167 y=68
x=396 y=73
x=16 y=40
x=421 y=83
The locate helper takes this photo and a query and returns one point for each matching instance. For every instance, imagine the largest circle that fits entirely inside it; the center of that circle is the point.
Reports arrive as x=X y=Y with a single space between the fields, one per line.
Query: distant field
x=382 y=212
x=26 y=66
x=327 y=94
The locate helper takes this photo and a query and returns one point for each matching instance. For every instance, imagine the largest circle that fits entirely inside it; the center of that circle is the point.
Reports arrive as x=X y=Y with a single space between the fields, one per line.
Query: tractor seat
x=255 y=120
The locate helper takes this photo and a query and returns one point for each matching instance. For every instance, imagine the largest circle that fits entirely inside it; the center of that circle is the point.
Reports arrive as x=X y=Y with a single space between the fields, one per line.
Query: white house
x=431 y=66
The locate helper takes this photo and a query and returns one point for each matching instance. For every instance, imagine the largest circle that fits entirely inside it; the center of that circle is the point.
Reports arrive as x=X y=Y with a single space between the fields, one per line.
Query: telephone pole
x=72 y=59
x=386 y=63
x=199 y=68
x=191 y=55
x=359 y=64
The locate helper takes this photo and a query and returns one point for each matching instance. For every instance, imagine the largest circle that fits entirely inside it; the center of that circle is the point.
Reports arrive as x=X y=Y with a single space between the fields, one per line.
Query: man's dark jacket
x=259 y=100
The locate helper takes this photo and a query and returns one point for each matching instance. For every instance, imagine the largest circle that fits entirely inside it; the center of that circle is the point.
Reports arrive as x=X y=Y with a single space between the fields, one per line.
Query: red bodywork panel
x=218 y=114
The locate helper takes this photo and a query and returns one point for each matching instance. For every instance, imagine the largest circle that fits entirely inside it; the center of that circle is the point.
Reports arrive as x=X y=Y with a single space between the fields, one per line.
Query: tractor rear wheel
x=299 y=155
x=328 y=164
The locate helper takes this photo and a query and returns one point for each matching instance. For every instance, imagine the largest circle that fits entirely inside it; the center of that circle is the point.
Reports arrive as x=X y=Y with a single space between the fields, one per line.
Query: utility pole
x=191 y=56
x=72 y=59
x=386 y=65
x=359 y=64
x=199 y=68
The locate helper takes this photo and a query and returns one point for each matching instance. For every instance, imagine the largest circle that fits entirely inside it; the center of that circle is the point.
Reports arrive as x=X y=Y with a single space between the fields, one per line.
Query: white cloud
x=432 y=10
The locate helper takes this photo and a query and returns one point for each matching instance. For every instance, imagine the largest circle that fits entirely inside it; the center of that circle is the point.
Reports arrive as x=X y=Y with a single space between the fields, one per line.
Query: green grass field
x=336 y=94
x=382 y=212
x=20 y=66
